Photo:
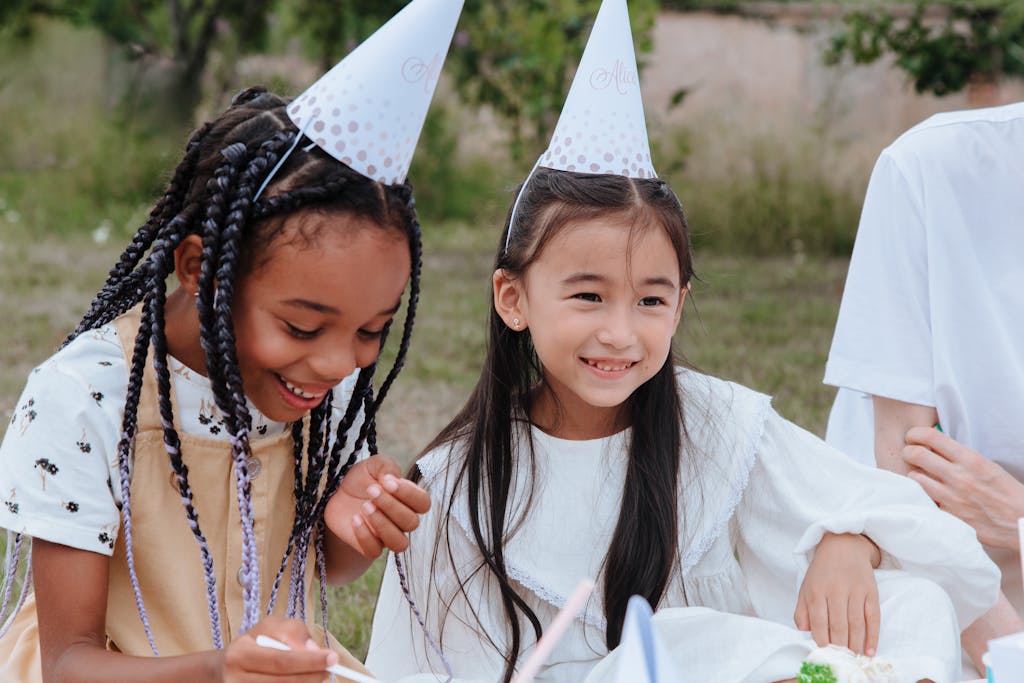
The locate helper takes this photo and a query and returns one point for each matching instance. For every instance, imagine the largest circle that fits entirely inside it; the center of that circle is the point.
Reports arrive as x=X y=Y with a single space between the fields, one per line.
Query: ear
x=188 y=259
x=679 y=309
x=509 y=299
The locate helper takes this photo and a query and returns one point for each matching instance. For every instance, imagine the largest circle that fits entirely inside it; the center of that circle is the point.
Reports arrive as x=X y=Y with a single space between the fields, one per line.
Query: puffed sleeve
x=882 y=341
x=801 y=488
x=59 y=454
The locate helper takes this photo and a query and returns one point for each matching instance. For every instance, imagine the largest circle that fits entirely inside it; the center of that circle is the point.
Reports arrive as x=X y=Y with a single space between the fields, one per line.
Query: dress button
x=253 y=465
x=174 y=481
x=238 y=576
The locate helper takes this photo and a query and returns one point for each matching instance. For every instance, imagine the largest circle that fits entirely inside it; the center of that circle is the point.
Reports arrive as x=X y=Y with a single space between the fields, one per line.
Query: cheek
x=367 y=353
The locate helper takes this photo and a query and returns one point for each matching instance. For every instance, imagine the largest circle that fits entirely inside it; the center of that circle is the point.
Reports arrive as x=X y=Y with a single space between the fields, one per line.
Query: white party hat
x=368 y=111
x=602 y=127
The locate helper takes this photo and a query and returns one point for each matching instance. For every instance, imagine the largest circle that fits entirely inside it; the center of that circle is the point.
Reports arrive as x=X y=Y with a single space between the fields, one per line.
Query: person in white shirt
x=928 y=352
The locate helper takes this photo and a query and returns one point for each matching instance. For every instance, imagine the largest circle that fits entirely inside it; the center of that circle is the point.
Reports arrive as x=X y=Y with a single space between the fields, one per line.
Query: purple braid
x=321 y=568
x=403 y=583
x=10 y=575
x=172 y=444
x=125 y=457
x=23 y=593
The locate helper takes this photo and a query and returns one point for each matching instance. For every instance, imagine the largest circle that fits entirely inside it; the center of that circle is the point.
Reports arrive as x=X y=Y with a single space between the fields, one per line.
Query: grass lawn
x=764 y=322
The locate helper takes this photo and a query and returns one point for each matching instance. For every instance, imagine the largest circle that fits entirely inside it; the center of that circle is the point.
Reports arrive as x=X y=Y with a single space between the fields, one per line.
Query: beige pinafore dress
x=167 y=558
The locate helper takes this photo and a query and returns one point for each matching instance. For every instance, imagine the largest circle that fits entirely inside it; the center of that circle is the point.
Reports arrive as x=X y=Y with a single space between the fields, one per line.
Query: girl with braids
x=192 y=462
x=231 y=449
x=586 y=450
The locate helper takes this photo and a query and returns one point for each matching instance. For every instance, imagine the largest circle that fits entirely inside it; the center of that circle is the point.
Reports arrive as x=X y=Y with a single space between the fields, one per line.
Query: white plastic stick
x=351 y=674
x=554 y=632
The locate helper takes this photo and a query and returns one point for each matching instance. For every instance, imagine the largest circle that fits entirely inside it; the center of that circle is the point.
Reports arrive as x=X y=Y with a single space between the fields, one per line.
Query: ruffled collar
x=574 y=503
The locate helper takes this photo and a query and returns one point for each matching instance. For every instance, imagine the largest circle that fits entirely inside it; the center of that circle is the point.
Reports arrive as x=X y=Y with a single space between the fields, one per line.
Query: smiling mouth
x=610 y=366
x=299 y=392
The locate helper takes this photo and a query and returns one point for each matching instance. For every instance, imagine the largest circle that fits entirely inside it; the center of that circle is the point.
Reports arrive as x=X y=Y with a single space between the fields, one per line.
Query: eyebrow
x=324 y=308
x=577 y=278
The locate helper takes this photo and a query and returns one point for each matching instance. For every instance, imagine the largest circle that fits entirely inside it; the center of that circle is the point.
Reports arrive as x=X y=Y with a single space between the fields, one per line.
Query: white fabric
x=59 y=477
x=931 y=313
x=757 y=493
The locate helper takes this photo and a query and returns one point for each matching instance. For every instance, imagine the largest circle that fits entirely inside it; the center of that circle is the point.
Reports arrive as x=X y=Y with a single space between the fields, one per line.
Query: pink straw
x=554 y=632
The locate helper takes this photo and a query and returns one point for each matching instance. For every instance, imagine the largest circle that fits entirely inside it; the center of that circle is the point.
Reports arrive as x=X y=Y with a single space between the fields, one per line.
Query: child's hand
x=838 y=600
x=244 y=661
x=375 y=507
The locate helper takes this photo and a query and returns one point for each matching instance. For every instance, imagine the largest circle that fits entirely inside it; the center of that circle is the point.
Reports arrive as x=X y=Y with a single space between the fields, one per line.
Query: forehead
x=611 y=245
x=336 y=257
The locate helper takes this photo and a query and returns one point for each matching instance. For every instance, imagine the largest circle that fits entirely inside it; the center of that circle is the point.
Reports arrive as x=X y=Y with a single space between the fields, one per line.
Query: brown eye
x=300 y=333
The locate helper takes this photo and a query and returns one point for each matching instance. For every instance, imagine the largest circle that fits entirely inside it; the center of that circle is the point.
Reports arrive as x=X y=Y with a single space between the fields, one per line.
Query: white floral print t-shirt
x=59 y=478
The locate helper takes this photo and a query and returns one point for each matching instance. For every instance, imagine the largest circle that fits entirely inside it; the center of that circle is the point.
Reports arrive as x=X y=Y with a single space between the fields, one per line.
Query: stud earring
x=515 y=323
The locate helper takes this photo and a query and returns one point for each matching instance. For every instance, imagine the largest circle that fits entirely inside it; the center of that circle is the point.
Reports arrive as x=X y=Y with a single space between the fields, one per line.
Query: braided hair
x=213 y=194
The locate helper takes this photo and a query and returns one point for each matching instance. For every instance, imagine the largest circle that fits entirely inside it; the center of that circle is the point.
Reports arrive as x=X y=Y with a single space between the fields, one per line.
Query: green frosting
x=815 y=673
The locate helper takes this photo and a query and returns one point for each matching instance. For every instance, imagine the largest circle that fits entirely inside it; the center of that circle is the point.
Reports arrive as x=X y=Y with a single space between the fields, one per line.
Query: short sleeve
x=882 y=342
x=58 y=455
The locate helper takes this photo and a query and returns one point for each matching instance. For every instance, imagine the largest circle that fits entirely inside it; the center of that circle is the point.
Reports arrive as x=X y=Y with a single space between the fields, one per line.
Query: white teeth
x=608 y=368
x=298 y=392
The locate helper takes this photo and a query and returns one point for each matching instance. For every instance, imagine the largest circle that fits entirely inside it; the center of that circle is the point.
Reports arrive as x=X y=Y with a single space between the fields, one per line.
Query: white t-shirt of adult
x=933 y=311
x=59 y=477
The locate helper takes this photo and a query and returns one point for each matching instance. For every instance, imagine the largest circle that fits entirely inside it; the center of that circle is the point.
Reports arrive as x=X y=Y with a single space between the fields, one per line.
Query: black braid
x=166 y=208
x=155 y=312
x=211 y=194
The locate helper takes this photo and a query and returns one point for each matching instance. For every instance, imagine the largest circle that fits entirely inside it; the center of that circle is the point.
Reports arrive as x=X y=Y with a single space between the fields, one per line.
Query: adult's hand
x=966 y=484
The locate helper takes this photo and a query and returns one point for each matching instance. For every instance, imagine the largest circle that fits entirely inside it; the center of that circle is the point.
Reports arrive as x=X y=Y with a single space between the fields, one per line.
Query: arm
x=892 y=421
x=71 y=597
x=905 y=443
x=838 y=600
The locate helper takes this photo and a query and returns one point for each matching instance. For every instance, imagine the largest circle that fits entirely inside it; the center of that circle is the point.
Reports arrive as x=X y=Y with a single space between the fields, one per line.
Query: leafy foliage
x=942 y=46
x=816 y=673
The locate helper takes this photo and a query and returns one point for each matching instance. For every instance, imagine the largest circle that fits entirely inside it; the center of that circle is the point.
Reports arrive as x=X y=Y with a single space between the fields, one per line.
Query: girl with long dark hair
x=587 y=450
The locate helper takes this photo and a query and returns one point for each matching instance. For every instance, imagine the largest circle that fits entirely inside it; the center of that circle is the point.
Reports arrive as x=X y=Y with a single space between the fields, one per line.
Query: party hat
x=368 y=111
x=602 y=127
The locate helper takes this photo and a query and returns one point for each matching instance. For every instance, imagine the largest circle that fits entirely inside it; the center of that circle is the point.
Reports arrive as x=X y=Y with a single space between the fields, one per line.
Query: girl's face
x=309 y=314
x=601 y=306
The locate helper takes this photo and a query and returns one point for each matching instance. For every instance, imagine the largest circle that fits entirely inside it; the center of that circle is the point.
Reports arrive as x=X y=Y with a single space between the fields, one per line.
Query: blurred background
x=766 y=118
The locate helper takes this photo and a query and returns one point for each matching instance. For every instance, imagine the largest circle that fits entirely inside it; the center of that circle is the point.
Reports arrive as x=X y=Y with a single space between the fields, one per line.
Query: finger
x=936 y=490
x=857 y=624
x=256 y=659
x=938 y=442
x=872 y=623
x=818 y=611
x=384 y=529
x=929 y=461
x=413 y=496
x=379 y=465
x=838 y=623
x=394 y=509
x=802 y=617
x=369 y=545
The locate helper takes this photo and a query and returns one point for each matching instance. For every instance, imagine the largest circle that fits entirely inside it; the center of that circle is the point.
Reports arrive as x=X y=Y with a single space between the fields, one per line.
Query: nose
x=617 y=329
x=333 y=362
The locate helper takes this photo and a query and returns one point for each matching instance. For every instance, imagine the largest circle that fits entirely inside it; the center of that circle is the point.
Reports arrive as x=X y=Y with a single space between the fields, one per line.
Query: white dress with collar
x=757 y=494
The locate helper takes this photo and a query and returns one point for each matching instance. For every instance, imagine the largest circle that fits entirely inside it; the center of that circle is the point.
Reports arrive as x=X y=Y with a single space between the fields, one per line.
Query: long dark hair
x=643 y=550
x=213 y=193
